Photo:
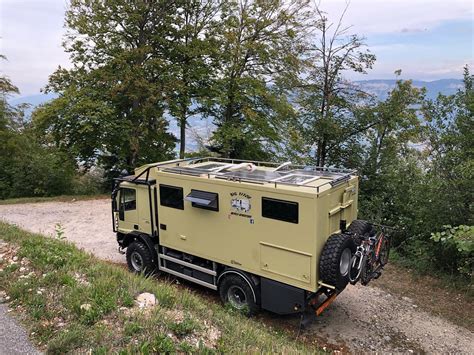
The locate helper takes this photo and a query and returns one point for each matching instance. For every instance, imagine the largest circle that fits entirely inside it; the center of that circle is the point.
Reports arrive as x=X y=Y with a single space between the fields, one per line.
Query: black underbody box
x=280 y=298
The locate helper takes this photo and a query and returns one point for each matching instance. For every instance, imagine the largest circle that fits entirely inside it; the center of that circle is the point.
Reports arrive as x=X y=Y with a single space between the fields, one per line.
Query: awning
x=203 y=199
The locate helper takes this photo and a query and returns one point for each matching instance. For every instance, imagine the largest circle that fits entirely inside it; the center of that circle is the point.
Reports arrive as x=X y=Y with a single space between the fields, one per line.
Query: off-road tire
x=360 y=228
x=235 y=281
x=139 y=249
x=329 y=263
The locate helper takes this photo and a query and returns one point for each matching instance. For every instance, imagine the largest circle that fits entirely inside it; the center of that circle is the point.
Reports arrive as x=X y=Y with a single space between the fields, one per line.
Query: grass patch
x=62 y=198
x=72 y=301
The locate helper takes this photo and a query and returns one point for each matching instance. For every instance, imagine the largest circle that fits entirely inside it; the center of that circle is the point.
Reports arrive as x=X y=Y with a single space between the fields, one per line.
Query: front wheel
x=140 y=259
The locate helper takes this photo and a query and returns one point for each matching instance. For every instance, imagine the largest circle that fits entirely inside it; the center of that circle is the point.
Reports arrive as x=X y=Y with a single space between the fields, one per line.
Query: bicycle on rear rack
x=370 y=257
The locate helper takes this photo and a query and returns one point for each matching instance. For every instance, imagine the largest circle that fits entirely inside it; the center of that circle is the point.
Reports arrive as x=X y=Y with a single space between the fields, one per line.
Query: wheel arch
x=249 y=279
x=145 y=239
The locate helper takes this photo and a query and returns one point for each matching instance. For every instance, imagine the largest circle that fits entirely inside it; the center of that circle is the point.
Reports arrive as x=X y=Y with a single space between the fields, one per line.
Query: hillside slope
x=360 y=319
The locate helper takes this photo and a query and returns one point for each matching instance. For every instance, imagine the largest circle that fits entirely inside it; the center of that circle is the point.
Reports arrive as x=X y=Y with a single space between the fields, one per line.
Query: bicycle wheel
x=365 y=272
x=384 y=251
x=356 y=268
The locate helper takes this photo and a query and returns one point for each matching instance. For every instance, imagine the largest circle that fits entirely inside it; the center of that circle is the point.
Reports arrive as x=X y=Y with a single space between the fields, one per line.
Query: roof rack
x=278 y=174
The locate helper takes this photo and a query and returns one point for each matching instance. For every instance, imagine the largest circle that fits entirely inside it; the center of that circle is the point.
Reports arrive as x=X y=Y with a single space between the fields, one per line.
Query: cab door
x=127 y=211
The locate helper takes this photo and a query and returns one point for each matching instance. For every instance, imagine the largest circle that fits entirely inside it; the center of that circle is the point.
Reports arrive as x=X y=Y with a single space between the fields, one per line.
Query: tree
x=27 y=168
x=451 y=152
x=390 y=154
x=417 y=176
x=111 y=102
x=194 y=38
x=325 y=100
x=7 y=112
x=260 y=41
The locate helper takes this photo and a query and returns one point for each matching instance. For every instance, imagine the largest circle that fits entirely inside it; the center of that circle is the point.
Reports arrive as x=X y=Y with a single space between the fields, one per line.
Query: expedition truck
x=263 y=235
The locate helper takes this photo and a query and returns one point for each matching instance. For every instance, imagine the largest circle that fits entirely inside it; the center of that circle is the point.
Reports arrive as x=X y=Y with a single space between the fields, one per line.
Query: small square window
x=281 y=210
x=128 y=199
x=171 y=196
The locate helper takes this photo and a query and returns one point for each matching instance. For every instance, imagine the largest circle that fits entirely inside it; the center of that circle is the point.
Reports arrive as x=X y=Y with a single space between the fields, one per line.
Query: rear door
x=343 y=202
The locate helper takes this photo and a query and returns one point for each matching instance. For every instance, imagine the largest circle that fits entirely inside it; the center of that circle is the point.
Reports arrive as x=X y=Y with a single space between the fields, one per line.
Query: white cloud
x=31 y=35
x=388 y=16
x=416 y=69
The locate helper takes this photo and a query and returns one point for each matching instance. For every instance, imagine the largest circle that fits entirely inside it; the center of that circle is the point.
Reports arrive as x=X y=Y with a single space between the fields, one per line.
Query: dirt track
x=361 y=318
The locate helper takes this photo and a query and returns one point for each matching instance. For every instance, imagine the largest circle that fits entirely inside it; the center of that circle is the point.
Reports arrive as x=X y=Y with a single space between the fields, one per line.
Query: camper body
x=220 y=222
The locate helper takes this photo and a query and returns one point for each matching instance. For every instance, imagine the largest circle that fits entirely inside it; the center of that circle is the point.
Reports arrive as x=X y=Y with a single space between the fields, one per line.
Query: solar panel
x=262 y=172
x=210 y=166
x=297 y=179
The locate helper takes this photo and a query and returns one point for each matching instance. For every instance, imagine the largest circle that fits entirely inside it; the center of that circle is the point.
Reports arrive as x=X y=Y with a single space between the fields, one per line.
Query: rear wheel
x=335 y=261
x=384 y=251
x=236 y=292
x=140 y=259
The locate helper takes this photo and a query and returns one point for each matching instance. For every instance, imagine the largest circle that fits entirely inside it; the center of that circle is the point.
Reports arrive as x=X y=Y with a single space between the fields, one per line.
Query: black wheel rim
x=137 y=261
x=237 y=297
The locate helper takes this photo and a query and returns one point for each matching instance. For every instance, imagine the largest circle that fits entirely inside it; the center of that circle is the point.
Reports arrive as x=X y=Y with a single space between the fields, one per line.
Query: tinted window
x=278 y=209
x=128 y=199
x=171 y=196
x=203 y=199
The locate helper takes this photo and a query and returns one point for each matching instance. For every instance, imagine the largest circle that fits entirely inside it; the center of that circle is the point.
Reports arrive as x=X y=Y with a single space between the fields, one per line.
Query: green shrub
x=455 y=248
x=89 y=183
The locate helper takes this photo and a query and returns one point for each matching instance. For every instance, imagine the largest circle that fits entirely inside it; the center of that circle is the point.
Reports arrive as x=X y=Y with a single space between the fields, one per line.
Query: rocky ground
x=361 y=318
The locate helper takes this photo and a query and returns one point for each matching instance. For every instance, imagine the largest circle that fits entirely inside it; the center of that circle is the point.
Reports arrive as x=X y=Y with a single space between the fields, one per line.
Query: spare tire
x=335 y=261
x=360 y=228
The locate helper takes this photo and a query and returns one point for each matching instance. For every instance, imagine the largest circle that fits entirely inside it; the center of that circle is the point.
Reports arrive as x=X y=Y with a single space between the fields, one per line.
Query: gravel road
x=361 y=318
x=13 y=338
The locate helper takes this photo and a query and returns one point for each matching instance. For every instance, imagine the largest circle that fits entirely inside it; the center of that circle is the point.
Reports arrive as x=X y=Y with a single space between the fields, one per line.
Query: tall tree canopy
x=325 y=100
x=451 y=151
x=260 y=41
x=192 y=55
x=111 y=102
x=27 y=168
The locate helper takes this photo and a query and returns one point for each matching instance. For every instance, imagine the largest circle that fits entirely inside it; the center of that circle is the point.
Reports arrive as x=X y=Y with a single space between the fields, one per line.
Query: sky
x=426 y=39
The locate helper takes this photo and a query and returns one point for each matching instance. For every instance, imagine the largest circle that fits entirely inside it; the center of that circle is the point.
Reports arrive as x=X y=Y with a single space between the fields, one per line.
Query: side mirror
x=122 y=215
x=114 y=205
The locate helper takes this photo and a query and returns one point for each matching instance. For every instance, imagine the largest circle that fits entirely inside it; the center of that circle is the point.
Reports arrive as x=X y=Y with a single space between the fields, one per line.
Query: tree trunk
x=182 y=137
x=323 y=152
x=318 y=153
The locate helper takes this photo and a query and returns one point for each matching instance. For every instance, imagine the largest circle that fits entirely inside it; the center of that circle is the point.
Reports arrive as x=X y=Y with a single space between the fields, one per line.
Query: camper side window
x=171 y=196
x=281 y=210
x=128 y=199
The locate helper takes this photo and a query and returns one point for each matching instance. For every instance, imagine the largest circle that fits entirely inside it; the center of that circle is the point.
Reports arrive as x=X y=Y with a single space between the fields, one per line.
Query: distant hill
x=33 y=100
x=203 y=128
x=378 y=87
x=381 y=87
